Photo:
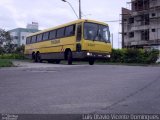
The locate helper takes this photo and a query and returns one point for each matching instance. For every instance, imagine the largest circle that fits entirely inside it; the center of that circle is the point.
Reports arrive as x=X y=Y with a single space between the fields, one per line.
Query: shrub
x=152 y=56
x=117 y=55
x=134 y=56
x=130 y=56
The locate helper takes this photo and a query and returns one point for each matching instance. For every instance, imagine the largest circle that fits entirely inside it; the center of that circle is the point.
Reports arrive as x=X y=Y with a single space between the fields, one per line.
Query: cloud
x=49 y=13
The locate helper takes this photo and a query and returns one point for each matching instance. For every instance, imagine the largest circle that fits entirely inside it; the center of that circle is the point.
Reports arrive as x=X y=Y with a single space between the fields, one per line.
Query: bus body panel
x=95 y=46
x=57 y=45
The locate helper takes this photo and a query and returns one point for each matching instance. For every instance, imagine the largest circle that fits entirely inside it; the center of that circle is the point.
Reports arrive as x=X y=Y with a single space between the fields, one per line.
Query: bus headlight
x=108 y=56
x=89 y=54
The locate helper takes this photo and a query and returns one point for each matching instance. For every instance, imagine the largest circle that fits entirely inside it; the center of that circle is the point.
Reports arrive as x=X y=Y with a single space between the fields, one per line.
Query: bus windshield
x=93 y=31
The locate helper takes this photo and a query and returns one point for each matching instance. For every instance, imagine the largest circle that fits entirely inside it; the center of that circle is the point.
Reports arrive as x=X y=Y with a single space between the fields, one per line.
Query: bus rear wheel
x=69 y=58
x=38 y=58
x=50 y=61
x=91 y=61
x=58 y=61
x=34 y=57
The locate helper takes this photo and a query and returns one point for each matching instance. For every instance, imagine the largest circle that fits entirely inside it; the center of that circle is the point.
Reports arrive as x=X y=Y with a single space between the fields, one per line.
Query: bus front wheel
x=91 y=61
x=69 y=58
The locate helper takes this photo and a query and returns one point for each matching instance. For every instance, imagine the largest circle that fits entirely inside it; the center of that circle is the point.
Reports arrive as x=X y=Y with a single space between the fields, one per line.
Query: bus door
x=79 y=37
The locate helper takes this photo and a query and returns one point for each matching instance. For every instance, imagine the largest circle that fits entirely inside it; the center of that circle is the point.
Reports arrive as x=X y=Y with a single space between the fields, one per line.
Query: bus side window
x=60 y=33
x=70 y=30
x=79 y=32
x=52 y=35
x=34 y=39
x=39 y=37
x=45 y=36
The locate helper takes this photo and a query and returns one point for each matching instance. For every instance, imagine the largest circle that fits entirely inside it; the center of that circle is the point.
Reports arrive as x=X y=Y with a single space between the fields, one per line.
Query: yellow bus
x=78 y=40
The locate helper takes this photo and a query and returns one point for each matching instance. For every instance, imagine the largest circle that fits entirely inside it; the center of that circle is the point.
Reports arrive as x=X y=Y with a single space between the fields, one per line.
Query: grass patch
x=12 y=56
x=5 y=63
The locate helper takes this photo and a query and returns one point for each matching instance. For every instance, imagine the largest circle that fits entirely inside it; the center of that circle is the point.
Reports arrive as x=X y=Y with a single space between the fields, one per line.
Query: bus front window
x=90 y=31
x=104 y=34
x=93 y=31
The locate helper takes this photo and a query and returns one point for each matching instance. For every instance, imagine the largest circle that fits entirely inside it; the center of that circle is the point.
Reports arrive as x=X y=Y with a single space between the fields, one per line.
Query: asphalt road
x=51 y=89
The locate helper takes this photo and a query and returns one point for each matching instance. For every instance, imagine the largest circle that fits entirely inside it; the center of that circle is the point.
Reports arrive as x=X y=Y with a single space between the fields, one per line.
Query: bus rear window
x=28 y=40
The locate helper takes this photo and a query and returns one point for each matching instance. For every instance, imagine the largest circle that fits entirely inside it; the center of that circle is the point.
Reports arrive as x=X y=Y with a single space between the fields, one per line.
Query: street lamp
x=80 y=16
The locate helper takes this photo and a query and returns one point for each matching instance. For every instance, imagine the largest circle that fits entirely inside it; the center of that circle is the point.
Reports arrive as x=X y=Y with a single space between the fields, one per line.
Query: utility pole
x=80 y=15
x=112 y=39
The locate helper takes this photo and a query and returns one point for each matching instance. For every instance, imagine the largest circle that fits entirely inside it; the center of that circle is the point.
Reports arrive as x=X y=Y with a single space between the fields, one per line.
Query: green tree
x=2 y=50
x=7 y=41
x=20 y=49
x=9 y=46
x=2 y=36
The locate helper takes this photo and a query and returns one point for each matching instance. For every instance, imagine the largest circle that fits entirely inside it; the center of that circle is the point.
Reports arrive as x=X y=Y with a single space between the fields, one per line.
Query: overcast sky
x=49 y=13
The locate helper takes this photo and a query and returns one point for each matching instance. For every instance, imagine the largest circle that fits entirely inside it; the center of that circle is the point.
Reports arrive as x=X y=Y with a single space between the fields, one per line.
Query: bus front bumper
x=86 y=55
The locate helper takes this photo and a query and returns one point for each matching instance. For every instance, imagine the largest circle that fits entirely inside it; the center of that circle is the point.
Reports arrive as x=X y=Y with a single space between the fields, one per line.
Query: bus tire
x=69 y=57
x=38 y=58
x=58 y=61
x=33 y=56
x=50 y=61
x=91 y=61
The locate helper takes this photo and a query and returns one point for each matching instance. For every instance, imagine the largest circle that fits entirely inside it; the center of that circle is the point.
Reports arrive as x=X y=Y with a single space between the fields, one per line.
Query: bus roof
x=67 y=24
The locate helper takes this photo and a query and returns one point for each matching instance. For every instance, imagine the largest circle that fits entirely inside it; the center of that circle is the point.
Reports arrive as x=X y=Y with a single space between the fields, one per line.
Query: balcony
x=140 y=27
x=142 y=43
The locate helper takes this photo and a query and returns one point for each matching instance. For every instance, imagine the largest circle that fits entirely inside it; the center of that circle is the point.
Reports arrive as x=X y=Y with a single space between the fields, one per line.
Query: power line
x=113 y=21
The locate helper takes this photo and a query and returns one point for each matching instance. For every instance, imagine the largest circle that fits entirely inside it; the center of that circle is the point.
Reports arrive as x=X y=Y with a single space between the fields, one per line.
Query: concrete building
x=141 y=24
x=34 y=26
x=19 y=34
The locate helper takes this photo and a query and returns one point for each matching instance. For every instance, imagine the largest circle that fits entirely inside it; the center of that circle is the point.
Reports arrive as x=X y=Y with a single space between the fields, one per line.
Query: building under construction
x=141 y=24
